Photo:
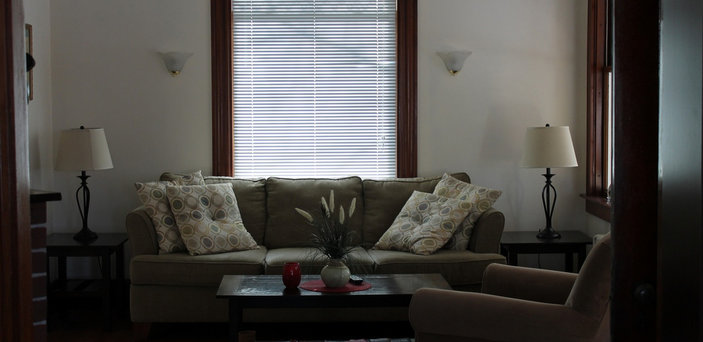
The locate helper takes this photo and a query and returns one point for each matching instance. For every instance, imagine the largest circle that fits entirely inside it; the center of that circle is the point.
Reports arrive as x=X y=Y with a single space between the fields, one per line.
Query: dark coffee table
x=267 y=291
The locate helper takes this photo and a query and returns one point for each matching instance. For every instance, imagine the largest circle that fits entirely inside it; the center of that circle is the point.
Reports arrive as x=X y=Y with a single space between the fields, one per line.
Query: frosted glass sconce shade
x=175 y=61
x=454 y=60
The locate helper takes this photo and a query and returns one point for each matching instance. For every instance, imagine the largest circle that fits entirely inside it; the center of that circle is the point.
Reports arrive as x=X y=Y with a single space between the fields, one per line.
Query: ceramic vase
x=291 y=275
x=335 y=273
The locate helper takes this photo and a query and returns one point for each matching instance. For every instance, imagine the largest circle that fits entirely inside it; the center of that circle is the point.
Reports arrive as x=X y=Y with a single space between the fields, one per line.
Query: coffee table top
x=251 y=286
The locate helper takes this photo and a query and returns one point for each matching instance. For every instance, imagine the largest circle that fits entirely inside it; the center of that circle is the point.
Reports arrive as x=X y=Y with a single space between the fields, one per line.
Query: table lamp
x=83 y=149
x=548 y=147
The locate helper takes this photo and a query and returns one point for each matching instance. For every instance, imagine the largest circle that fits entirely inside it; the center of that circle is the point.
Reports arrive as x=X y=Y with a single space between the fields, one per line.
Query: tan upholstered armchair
x=522 y=304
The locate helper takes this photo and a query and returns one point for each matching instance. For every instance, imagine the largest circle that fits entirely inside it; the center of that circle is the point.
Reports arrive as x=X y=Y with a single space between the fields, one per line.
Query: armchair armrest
x=141 y=232
x=485 y=237
x=445 y=315
x=528 y=283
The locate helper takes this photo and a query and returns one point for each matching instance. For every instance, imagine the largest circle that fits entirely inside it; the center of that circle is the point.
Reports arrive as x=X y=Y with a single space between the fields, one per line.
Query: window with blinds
x=314 y=88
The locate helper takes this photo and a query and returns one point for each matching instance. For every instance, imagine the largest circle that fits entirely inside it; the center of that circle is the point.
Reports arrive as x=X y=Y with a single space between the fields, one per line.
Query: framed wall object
x=30 y=52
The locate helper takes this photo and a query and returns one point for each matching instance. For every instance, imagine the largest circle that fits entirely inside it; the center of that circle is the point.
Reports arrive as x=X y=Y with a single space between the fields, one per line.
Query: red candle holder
x=291 y=275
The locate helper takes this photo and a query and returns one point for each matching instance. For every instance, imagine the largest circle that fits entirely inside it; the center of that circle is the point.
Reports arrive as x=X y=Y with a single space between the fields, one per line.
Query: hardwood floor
x=85 y=324
x=82 y=322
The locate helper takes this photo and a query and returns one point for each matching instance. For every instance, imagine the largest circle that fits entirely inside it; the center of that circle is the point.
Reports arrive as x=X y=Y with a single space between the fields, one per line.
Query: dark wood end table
x=267 y=291
x=62 y=246
x=514 y=243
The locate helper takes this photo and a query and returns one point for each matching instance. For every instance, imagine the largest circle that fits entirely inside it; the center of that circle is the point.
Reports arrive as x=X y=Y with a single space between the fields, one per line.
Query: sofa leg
x=140 y=331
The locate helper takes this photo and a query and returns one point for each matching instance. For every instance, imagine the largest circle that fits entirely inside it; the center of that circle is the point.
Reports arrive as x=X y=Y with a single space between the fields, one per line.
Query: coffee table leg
x=235 y=320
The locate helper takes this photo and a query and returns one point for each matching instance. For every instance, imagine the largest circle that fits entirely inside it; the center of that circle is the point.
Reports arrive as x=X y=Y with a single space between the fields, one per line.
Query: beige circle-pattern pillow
x=425 y=224
x=152 y=195
x=208 y=219
x=481 y=199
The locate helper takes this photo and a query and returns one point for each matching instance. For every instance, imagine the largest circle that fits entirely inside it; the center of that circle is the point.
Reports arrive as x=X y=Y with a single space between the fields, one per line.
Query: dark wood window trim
x=406 y=120
x=222 y=120
x=598 y=62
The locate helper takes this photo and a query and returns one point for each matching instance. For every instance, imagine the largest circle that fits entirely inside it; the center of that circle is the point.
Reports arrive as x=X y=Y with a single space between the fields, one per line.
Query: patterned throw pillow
x=208 y=219
x=425 y=224
x=481 y=199
x=153 y=197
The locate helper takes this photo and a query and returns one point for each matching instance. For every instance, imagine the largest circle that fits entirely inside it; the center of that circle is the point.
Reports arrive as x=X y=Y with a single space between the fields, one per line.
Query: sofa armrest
x=141 y=232
x=485 y=237
x=445 y=315
x=528 y=283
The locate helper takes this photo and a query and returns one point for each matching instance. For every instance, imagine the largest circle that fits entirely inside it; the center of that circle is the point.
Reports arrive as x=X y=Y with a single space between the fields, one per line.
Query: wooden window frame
x=222 y=110
x=596 y=109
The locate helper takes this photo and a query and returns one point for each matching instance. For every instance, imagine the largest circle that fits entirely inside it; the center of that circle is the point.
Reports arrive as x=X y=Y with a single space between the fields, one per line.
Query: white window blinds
x=314 y=88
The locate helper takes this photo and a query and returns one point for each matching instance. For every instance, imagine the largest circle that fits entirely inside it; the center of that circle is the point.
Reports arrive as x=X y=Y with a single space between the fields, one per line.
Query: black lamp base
x=548 y=234
x=85 y=236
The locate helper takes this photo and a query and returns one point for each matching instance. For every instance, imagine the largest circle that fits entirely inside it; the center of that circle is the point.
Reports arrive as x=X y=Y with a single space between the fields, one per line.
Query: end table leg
x=62 y=271
x=581 y=256
x=512 y=258
x=569 y=261
x=235 y=320
x=119 y=276
x=107 y=292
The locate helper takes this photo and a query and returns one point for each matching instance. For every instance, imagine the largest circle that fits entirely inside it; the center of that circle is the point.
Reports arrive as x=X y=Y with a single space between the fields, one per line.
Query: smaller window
x=599 y=164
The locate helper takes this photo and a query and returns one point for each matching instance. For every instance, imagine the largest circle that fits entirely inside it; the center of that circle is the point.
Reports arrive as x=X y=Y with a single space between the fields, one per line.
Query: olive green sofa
x=178 y=287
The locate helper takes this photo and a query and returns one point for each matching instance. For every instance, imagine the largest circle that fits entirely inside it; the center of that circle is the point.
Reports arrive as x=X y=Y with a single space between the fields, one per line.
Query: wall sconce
x=454 y=60
x=175 y=61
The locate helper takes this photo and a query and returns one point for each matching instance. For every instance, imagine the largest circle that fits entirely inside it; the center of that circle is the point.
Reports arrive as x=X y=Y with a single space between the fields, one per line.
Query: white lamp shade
x=547 y=147
x=83 y=149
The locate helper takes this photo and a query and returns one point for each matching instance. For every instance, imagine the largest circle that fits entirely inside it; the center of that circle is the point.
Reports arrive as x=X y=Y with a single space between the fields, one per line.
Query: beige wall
x=106 y=73
x=527 y=68
x=40 y=130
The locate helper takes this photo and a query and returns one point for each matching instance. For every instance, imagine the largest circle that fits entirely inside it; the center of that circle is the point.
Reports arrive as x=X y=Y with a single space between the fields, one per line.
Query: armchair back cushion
x=591 y=291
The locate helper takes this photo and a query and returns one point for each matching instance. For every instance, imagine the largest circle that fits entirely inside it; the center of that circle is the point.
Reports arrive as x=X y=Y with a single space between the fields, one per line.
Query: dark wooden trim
x=15 y=233
x=636 y=194
x=222 y=119
x=406 y=119
x=597 y=130
x=598 y=206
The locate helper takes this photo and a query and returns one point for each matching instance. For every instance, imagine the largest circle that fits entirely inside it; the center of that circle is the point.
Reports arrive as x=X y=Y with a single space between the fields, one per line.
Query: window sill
x=597 y=206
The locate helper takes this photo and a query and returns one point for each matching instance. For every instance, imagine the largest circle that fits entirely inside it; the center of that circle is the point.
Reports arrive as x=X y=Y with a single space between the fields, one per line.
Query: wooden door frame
x=635 y=214
x=15 y=237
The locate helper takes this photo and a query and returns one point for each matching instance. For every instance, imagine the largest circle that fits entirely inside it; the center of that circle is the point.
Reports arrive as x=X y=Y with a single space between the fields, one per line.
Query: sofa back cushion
x=286 y=228
x=383 y=200
x=251 y=199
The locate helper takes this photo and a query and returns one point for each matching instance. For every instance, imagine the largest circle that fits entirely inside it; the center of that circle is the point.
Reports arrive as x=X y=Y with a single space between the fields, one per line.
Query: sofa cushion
x=251 y=199
x=383 y=200
x=425 y=224
x=459 y=268
x=481 y=199
x=358 y=260
x=286 y=228
x=178 y=269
